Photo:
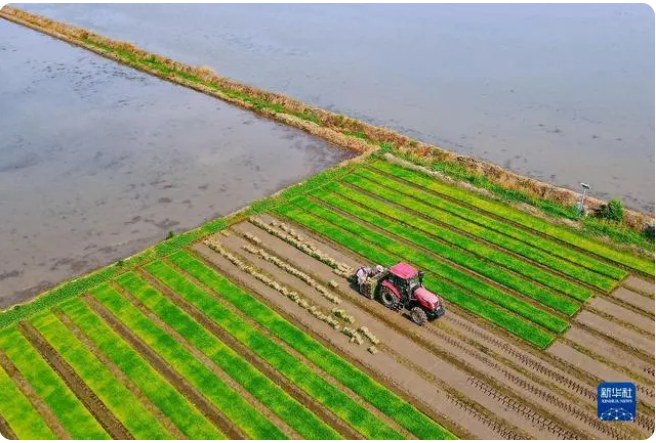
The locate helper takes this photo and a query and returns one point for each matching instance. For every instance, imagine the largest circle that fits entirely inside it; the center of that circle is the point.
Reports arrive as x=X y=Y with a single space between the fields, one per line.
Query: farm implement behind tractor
x=400 y=288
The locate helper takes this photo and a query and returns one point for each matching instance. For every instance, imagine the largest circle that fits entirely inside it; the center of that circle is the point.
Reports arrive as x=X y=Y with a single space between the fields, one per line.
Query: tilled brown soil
x=614 y=331
x=634 y=299
x=88 y=398
x=640 y=285
x=558 y=374
x=208 y=409
x=28 y=391
x=475 y=365
x=641 y=322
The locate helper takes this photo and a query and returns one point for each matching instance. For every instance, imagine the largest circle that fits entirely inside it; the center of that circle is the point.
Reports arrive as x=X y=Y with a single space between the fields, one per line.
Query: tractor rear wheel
x=418 y=316
x=388 y=298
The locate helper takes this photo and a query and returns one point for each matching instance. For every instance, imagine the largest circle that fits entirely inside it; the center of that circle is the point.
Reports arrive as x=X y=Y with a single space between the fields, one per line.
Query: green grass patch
x=443 y=270
x=515 y=325
x=238 y=410
x=328 y=395
x=118 y=399
x=182 y=413
x=403 y=224
x=72 y=414
x=415 y=204
x=289 y=410
x=398 y=410
x=19 y=413
x=460 y=211
x=522 y=218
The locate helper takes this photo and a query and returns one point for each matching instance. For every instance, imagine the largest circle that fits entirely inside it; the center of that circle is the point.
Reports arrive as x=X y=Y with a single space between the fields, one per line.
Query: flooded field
x=98 y=161
x=564 y=93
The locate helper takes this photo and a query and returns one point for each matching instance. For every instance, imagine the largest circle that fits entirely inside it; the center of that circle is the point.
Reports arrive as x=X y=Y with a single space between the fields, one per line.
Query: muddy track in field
x=177 y=381
x=456 y=346
x=426 y=396
x=216 y=370
x=88 y=398
x=436 y=357
x=289 y=387
x=161 y=417
x=505 y=220
x=6 y=430
x=553 y=376
x=39 y=404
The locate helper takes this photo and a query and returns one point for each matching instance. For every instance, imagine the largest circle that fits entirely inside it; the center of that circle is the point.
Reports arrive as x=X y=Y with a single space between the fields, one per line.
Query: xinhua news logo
x=616 y=401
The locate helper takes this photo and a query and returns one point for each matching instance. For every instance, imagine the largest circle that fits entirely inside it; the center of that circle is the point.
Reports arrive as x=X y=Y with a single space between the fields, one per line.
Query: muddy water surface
x=564 y=93
x=98 y=161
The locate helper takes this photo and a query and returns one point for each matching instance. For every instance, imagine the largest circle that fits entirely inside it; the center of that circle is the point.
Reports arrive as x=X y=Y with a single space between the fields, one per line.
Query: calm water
x=98 y=161
x=564 y=93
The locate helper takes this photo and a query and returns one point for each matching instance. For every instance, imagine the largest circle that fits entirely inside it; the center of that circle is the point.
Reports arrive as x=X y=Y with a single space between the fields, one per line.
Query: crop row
x=364 y=246
x=522 y=218
x=426 y=261
x=463 y=212
x=72 y=414
x=476 y=263
x=371 y=391
x=237 y=367
x=330 y=396
x=245 y=416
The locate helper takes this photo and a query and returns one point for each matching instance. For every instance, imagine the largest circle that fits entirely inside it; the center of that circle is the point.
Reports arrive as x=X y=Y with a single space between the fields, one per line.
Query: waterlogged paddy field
x=253 y=330
x=98 y=161
x=563 y=93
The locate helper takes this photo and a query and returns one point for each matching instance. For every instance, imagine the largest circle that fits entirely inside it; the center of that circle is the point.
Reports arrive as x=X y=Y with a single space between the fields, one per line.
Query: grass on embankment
x=522 y=218
x=482 y=307
x=379 y=396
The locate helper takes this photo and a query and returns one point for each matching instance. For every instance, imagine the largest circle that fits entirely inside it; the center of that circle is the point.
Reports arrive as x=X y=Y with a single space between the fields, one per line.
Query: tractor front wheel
x=418 y=316
x=388 y=298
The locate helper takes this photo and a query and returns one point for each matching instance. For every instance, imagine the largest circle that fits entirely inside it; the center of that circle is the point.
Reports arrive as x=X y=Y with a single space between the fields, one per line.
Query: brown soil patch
x=164 y=420
x=6 y=430
x=640 y=322
x=639 y=284
x=292 y=389
x=207 y=408
x=28 y=391
x=88 y=398
x=634 y=299
x=622 y=335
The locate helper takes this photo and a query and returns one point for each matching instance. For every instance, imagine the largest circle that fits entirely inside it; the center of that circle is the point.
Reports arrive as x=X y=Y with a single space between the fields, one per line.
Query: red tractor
x=400 y=287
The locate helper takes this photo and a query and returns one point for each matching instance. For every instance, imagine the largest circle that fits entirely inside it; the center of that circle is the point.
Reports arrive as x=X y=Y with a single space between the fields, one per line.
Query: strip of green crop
x=328 y=395
x=289 y=410
x=462 y=211
x=515 y=325
x=182 y=413
x=19 y=413
x=522 y=218
x=438 y=268
x=414 y=204
x=500 y=275
x=72 y=414
x=473 y=304
x=236 y=408
x=118 y=399
x=379 y=396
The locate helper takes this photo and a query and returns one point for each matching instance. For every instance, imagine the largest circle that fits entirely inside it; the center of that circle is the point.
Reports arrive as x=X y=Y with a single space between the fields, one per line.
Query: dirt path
x=634 y=299
x=177 y=381
x=620 y=334
x=385 y=366
x=164 y=420
x=518 y=392
x=6 y=430
x=39 y=404
x=440 y=341
x=88 y=398
x=628 y=317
